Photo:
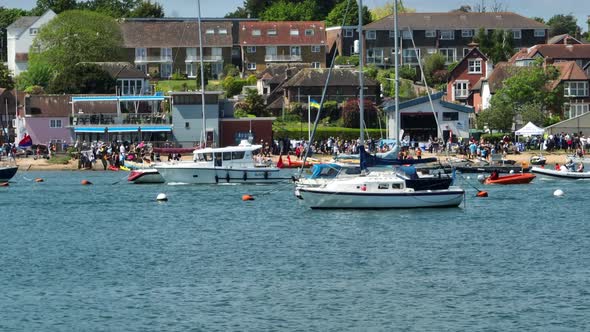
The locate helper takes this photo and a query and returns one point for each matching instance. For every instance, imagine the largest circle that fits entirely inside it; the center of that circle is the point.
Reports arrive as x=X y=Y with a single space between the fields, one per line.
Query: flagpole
x=308 y=118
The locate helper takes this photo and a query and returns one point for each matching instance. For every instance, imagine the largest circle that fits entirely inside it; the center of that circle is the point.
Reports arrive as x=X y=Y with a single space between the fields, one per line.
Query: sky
x=218 y=8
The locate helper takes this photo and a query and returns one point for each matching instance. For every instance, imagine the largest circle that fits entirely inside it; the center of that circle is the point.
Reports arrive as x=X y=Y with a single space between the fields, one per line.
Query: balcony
x=206 y=58
x=124 y=119
x=153 y=59
x=282 y=58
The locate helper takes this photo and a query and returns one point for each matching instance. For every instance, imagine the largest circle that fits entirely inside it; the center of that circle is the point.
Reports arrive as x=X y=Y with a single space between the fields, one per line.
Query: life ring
x=216 y=179
x=227 y=177
x=245 y=177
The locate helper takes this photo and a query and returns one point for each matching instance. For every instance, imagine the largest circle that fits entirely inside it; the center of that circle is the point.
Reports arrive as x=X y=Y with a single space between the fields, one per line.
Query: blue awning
x=89 y=129
x=127 y=129
x=117 y=98
x=156 y=128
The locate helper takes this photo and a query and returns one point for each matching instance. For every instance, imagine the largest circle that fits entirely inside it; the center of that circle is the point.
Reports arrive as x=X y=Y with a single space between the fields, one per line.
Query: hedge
x=327 y=132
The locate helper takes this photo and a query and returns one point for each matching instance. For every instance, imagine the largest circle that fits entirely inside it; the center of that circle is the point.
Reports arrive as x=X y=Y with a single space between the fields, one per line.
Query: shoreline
x=30 y=164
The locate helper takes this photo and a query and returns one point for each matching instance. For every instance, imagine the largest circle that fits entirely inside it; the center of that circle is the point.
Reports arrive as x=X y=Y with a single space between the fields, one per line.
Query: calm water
x=108 y=257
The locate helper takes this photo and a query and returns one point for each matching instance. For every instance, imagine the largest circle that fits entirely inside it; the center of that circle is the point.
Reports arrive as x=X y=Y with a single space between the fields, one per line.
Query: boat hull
x=489 y=169
x=7 y=173
x=512 y=179
x=317 y=198
x=172 y=174
x=145 y=176
x=561 y=174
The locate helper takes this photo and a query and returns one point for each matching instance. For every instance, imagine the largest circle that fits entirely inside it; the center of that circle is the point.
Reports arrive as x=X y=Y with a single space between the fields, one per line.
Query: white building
x=19 y=38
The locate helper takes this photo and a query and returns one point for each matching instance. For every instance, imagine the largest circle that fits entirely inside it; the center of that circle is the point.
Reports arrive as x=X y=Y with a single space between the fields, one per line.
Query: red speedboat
x=520 y=178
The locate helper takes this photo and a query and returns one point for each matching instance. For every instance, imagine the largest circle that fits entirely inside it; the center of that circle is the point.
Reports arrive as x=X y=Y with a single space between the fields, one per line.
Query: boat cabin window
x=396 y=186
x=255 y=152
x=199 y=157
x=227 y=156
x=329 y=172
x=217 y=158
x=383 y=186
x=208 y=156
x=237 y=155
x=352 y=170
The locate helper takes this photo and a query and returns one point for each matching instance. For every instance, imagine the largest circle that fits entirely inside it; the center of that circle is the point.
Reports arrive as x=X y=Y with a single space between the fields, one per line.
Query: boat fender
x=266 y=175
x=216 y=179
x=227 y=177
x=245 y=177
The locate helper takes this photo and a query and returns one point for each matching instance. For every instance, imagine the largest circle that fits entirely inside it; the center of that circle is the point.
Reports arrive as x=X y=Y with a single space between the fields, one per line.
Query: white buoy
x=558 y=193
x=468 y=177
x=481 y=177
x=511 y=171
x=162 y=197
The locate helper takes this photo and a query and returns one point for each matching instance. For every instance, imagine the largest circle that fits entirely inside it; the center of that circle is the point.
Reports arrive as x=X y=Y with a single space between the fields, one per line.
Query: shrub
x=351 y=114
x=408 y=73
x=251 y=80
x=347 y=60
x=230 y=70
x=178 y=76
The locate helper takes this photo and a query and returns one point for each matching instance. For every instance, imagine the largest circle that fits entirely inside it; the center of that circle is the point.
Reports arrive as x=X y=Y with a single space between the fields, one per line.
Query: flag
x=314 y=103
x=280 y=162
x=25 y=142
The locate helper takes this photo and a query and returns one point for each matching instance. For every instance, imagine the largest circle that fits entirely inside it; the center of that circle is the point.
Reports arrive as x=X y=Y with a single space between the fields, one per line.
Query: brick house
x=341 y=40
x=161 y=47
x=446 y=33
x=264 y=43
x=468 y=72
x=580 y=53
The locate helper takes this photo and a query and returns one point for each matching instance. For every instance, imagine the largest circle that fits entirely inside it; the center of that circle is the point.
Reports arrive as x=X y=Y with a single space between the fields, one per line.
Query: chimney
x=547 y=61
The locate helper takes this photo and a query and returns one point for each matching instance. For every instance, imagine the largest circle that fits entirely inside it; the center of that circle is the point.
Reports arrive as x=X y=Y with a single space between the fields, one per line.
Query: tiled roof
x=59 y=106
x=474 y=53
x=156 y=34
x=277 y=73
x=555 y=51
x=501 y=72
x=283 y=33
x=23 y=22
x=568 y=71
x=317 y=77
x=560 y=39
x=457 y=20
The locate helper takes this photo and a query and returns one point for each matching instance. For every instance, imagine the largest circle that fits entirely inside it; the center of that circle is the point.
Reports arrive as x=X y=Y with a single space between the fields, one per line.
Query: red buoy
x=247 y=198
x=482 y=194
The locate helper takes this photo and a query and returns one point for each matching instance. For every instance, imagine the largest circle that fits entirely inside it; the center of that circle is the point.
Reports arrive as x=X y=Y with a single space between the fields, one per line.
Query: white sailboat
x=374 y=189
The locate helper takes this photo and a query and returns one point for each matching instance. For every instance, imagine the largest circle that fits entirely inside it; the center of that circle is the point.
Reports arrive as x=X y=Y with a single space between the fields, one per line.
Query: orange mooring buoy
x=482 y=194
x=86 y=182
x=4 y=184
x=247 y=198
x=39 y=180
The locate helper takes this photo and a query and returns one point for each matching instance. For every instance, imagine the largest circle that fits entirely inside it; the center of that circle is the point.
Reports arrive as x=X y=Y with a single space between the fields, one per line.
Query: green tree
x=6 y=81
x=539 y=19
x=499 y=116
x=254 y=104
x=560 y=24
x=351 y=114
x=57 y=6
x=386 y=9
x=290 y=11
x=408 y=72
x=83 y=78
x=37 y=74
x=148 y=9
x=533 y=112
x=78 y=36
x=498 y=46
x=336 y=15
x=206 y=72
x=433 y=64
x=112 y=8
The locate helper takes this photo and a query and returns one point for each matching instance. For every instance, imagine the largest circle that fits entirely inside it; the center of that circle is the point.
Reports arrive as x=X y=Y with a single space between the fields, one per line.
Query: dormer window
x=309 y=32
x=210 y=31
x=256 y=32
x=271 y=32
x=474 y=66
x=294 y=32
x=223 y=31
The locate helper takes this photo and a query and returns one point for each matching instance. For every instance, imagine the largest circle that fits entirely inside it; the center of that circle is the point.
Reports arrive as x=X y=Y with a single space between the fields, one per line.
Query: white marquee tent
x=529 y=129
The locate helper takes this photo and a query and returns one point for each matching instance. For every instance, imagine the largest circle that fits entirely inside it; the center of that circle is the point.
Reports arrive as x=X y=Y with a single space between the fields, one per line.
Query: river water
x=109 y=257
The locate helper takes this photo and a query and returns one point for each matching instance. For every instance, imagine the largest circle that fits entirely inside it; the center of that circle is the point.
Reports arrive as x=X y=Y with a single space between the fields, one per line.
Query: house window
x=55 y=124
x=191 y=69
x=450 y=116
x=391 y=33
x=33 y=31
x=271 y=50
x=140 y=54
x=539 y=32
x=191 y=54
x=294 y=32
x=450 y=54
x=447 y=34
x=576 y=109
x=223 y=31
x=474 y=66
x=430 y=33
x=251 y=49
x=316 y=65
x=142 y=67
x=516 y=34
x=166 y=54
x=371 y=34
x=256 y=32
x=466 y=51
x=410 y=55
x=375 y=56
x=309 y=32
x=466 y=33
x=210 y=31
x=575 y=89
x=406 y=34
x=187 y=125
x=461 y=90
x=431 y=50
x=165 y=70
x=251 y=66
x=315 y=48
x=348 y=33
x=296 y=50
x=271 y=32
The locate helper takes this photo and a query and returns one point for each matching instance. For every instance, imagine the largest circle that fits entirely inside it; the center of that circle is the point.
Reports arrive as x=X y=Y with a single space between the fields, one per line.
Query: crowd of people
x=113 y=154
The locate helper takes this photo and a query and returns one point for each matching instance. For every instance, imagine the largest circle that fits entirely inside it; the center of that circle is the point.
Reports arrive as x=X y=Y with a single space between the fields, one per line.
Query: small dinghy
x=520 y=178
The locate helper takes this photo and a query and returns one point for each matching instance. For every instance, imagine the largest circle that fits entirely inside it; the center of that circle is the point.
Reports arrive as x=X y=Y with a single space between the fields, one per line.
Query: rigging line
x=317 y=117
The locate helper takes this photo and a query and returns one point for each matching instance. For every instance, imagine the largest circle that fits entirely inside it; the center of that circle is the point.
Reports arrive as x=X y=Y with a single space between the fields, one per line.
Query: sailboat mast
x=396 y=71
x=203 y=129
x=361 y=81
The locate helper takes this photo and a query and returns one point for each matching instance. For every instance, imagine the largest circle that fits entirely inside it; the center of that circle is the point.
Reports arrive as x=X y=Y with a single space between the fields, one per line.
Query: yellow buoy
x=86 y=182
x=247 y=198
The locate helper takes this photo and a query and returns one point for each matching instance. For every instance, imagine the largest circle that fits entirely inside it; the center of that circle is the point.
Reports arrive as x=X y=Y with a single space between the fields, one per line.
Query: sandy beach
x=30 y=164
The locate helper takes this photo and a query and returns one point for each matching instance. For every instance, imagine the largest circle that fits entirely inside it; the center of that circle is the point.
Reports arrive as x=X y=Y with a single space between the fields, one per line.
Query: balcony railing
x=282 y=58
x=113 y=119
x=153 y=59
x=206 y=58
